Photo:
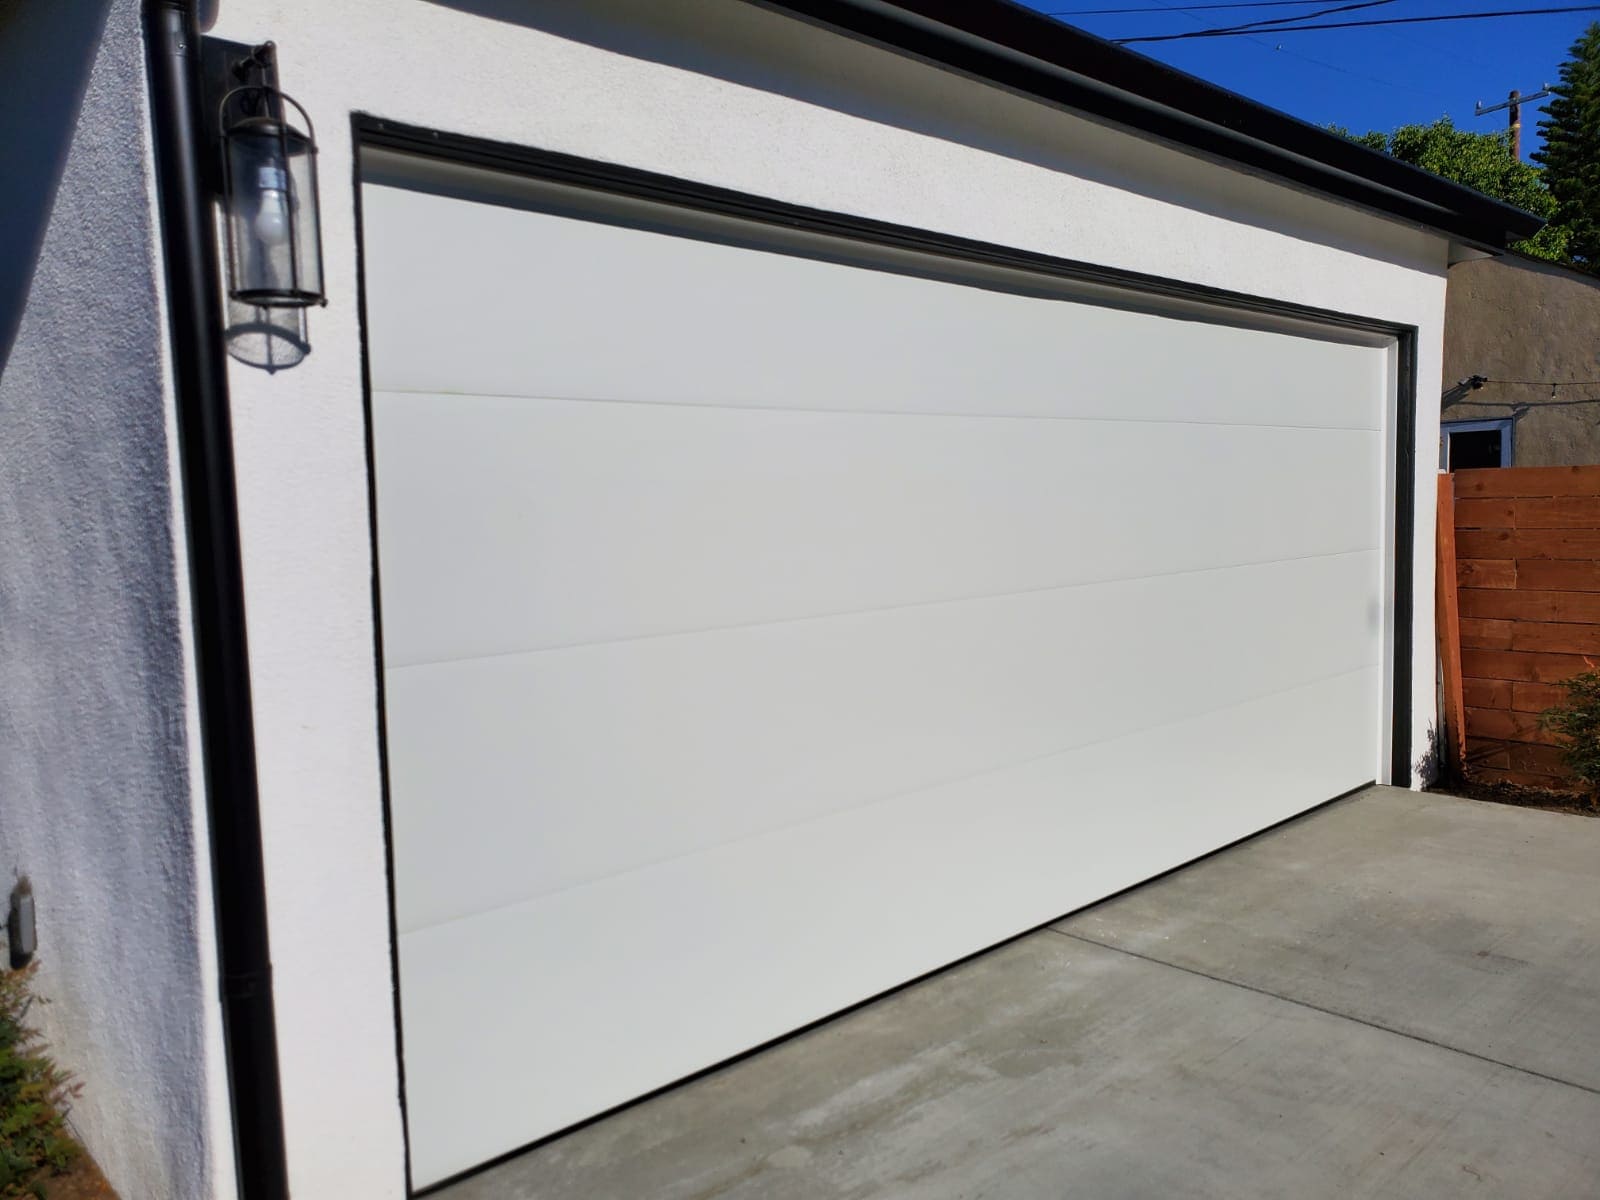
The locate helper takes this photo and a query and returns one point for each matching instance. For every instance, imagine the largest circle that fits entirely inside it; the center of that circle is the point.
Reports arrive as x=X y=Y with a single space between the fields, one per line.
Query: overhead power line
x=1245 y=32
x=1268 y=24
x=1182 y=11
x=1184 y=8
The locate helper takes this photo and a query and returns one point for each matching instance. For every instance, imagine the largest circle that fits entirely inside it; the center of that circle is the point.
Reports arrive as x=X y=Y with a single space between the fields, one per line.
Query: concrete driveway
x=1397 y=995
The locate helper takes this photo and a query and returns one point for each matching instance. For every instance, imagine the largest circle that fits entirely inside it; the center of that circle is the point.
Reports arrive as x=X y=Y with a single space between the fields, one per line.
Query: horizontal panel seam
x=885 y=608
x=863 y=412
x=925 y=787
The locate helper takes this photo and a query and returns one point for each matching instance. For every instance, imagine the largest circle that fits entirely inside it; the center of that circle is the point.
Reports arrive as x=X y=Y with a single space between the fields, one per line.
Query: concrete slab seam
x=1332 y=1012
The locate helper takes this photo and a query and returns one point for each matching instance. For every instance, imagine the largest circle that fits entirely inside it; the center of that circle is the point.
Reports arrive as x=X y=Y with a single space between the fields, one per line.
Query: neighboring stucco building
x=1530 y=330
x=710 y=566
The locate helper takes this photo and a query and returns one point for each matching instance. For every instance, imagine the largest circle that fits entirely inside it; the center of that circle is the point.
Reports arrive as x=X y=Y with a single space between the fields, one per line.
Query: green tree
x=1481 y=161
x=1571 y=153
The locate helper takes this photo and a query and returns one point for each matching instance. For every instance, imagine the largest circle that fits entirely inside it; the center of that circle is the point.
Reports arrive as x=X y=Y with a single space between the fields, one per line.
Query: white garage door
x=762 y=629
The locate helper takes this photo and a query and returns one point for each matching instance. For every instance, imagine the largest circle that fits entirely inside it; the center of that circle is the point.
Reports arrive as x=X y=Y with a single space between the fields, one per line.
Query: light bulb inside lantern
x=271 y=222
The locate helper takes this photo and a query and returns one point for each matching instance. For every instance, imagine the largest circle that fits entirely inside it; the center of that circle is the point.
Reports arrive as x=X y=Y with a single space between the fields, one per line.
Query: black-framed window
x=1467 y=444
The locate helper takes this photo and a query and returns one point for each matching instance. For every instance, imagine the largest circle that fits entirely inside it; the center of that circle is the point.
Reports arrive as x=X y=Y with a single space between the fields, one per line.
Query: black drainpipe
x=227 y=728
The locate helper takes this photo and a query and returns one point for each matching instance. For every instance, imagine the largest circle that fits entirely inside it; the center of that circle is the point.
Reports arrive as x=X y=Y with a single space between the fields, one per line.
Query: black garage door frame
x=455 y=149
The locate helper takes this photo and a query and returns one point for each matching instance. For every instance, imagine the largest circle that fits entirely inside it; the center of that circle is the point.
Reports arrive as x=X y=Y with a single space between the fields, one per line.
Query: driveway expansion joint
x=1332 y=1012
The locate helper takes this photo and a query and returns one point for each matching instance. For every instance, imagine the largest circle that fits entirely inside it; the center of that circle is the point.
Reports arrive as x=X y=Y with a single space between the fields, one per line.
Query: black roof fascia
x=1027 y=52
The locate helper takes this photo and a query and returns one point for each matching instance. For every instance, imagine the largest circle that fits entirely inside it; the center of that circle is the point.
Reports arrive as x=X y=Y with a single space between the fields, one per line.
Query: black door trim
x=553 y=167
x=548 y=166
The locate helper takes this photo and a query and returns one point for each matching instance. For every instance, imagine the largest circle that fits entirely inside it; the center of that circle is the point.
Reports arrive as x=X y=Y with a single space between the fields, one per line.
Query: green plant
x=1482 y=161
x=1578 y=721
x=1571 y=152
x=34 y=1096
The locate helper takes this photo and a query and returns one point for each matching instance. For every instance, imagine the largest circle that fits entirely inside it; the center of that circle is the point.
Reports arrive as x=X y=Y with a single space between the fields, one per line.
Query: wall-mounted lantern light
x=269 y=196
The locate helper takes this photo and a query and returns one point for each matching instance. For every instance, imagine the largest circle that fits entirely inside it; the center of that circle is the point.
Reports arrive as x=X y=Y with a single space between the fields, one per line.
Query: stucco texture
x=1513 y=319
x=97 y=804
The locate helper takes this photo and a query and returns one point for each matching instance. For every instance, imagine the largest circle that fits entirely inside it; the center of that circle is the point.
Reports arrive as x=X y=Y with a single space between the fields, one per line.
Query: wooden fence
x=1519 y=611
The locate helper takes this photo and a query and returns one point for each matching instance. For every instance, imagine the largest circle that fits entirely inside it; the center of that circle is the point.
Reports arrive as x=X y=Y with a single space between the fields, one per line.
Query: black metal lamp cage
x=269 y=189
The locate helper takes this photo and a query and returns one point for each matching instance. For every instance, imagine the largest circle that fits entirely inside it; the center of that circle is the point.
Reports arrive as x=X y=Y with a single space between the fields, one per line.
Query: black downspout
x=227 y=730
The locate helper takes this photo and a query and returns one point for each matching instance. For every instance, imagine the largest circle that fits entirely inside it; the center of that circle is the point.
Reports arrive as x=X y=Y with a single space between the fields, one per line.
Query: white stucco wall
x=99 y=799
x=727 y=94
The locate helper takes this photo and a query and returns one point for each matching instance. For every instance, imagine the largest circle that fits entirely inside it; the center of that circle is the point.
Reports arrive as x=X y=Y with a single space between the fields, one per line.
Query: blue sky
x=1361 y=78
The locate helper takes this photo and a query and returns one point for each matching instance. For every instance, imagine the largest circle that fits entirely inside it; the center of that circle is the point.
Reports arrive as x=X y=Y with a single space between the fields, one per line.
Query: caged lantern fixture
x=269 y=191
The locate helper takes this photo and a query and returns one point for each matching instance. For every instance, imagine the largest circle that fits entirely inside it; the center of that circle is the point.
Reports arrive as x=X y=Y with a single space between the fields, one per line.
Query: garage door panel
x=770 y=619
x=752 y=947
x=593 y=760
x=575 y=309
x=516 y=525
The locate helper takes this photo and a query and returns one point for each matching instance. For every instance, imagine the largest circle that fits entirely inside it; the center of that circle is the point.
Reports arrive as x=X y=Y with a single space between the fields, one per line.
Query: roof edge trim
x=1023 y=50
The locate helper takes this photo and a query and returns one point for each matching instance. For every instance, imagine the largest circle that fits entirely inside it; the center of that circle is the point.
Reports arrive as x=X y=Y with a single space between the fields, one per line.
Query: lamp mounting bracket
x=259 y=66
x=225 y=65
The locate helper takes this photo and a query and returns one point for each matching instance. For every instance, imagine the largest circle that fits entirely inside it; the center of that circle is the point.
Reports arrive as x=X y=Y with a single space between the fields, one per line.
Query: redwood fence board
x=1536 y=697
x=1565 y=512
x=1511 y=694
x=1486 y=572
x=1497 y=754
x=1509 y=726
x=1521 y=556
x=1555 y=638
x=1582 y=545
x=1525 y=481
x=1518 y=664
x=1488 y=635
x=1484 y=514
x=1488 y=693
x=1553 y=575
x=1581 y=608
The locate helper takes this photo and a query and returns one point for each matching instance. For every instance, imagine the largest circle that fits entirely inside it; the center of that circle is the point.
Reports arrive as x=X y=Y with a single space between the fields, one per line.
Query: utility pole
x=1514 y=104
